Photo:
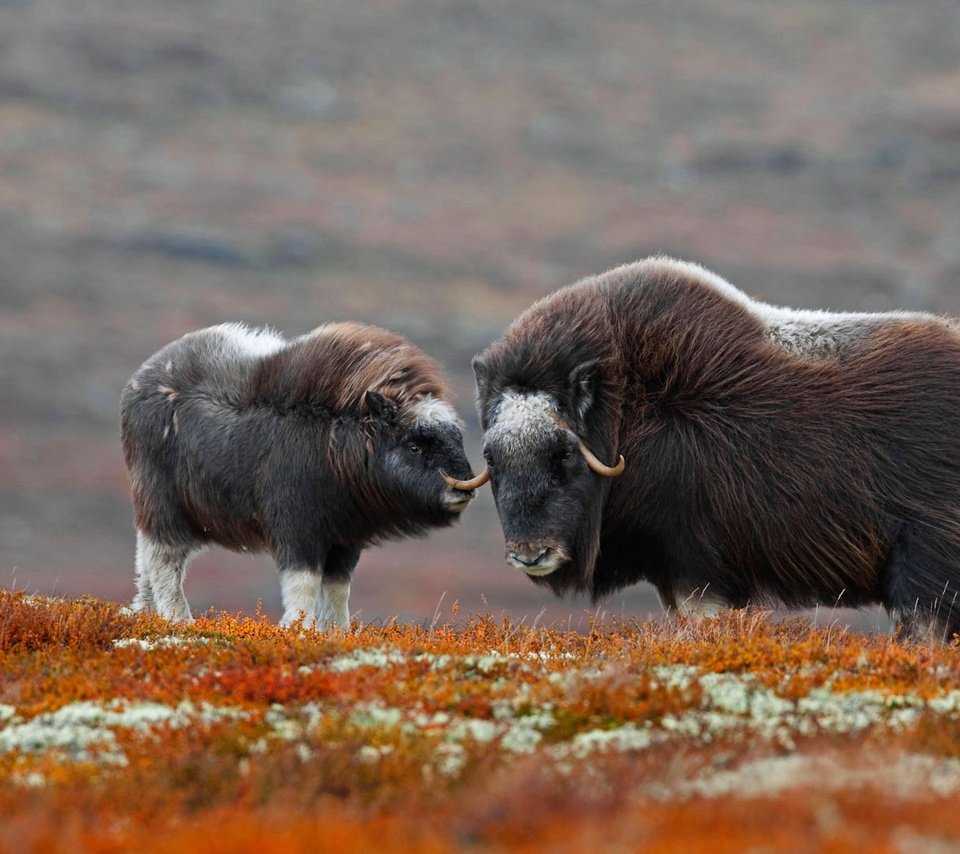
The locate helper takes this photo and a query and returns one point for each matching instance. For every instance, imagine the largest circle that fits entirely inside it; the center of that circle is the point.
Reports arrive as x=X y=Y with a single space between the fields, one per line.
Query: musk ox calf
x=765 y=455
x=311 y=448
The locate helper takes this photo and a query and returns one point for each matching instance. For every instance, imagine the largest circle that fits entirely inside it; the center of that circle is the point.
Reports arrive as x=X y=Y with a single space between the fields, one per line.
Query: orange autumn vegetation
x=475 y=734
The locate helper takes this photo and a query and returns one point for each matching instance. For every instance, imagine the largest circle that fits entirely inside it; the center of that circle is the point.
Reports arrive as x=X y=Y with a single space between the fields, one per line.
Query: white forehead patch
x=520 y=420
x=251 y=342
x=432 y=410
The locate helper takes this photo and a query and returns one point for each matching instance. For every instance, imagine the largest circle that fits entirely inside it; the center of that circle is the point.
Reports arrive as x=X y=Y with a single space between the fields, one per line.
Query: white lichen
x=907 y=776
x=627 y=738
x=372 y=657
x=159 y=643
x=84 y=730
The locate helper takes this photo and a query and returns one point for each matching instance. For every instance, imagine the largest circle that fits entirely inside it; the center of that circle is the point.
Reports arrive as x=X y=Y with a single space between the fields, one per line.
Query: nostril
x=528 y=559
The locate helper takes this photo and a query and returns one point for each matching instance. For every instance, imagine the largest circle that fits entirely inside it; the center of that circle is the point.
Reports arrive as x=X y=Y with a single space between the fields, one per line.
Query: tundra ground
x=123 y=732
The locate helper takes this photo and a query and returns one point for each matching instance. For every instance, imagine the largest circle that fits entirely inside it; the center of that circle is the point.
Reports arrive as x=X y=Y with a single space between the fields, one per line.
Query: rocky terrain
x=433 y=166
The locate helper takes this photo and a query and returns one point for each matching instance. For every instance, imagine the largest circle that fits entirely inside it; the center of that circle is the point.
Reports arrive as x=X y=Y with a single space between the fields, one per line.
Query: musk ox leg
x=143 y=601
x=699 y=602
x=337 y=572
x=920 y=586
x=691 y=602
x=300 y=591
x=160 y=572
x=336 y=610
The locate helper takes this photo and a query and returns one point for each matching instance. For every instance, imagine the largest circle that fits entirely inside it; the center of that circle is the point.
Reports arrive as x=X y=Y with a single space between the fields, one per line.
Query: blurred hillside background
x=433 y=167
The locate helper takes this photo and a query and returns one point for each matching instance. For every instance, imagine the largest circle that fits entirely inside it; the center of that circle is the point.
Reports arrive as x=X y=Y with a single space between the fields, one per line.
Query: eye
x=567 y=455
x=415 y=448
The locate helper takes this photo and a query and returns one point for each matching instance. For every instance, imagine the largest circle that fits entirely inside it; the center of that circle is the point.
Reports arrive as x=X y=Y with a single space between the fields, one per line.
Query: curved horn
x=465 y=485
x=600 y=468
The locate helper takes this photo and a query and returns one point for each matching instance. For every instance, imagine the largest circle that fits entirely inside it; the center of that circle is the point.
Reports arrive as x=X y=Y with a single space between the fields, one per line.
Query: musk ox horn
x=465 y=485
x=600 y=468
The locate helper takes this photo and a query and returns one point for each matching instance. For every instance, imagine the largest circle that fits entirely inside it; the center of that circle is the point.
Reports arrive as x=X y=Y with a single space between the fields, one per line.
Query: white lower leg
x=699 y=603
x=336 y=610
x=143 y=601
x=160 y=572
x=300 y=591
x=693 y=602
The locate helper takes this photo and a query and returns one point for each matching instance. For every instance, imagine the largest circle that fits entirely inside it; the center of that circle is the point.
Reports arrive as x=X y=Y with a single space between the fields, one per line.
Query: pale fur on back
x=804 y=332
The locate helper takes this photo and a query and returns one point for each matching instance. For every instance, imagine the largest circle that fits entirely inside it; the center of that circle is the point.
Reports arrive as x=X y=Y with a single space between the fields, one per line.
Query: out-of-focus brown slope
x=433 y=167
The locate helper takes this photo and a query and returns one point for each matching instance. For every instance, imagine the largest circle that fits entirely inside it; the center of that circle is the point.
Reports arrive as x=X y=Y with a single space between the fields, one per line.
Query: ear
x=481 y=370
x=582 y=387
x=381 y=408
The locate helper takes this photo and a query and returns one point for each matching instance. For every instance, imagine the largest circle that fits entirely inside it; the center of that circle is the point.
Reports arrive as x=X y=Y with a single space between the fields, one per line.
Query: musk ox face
x=548 y=494
x=540 y=483
x=416 y=444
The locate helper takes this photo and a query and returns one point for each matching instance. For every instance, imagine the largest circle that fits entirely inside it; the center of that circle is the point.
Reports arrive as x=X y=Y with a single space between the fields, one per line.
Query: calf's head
x=548 y=486
x=415 y=445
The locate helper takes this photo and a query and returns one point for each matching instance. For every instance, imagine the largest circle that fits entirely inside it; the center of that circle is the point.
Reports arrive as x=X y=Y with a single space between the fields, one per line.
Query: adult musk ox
x=311 y=448
x=768 y=455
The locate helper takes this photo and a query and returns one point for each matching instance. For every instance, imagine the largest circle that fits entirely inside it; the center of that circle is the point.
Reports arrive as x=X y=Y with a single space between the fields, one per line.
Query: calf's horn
x=600 y=468
x=465 y=485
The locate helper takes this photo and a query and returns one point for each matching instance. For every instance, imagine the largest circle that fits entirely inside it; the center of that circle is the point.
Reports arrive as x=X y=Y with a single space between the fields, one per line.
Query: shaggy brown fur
x=825 y=471
x=311 y=449
x=329 y=372
x=335 y=365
